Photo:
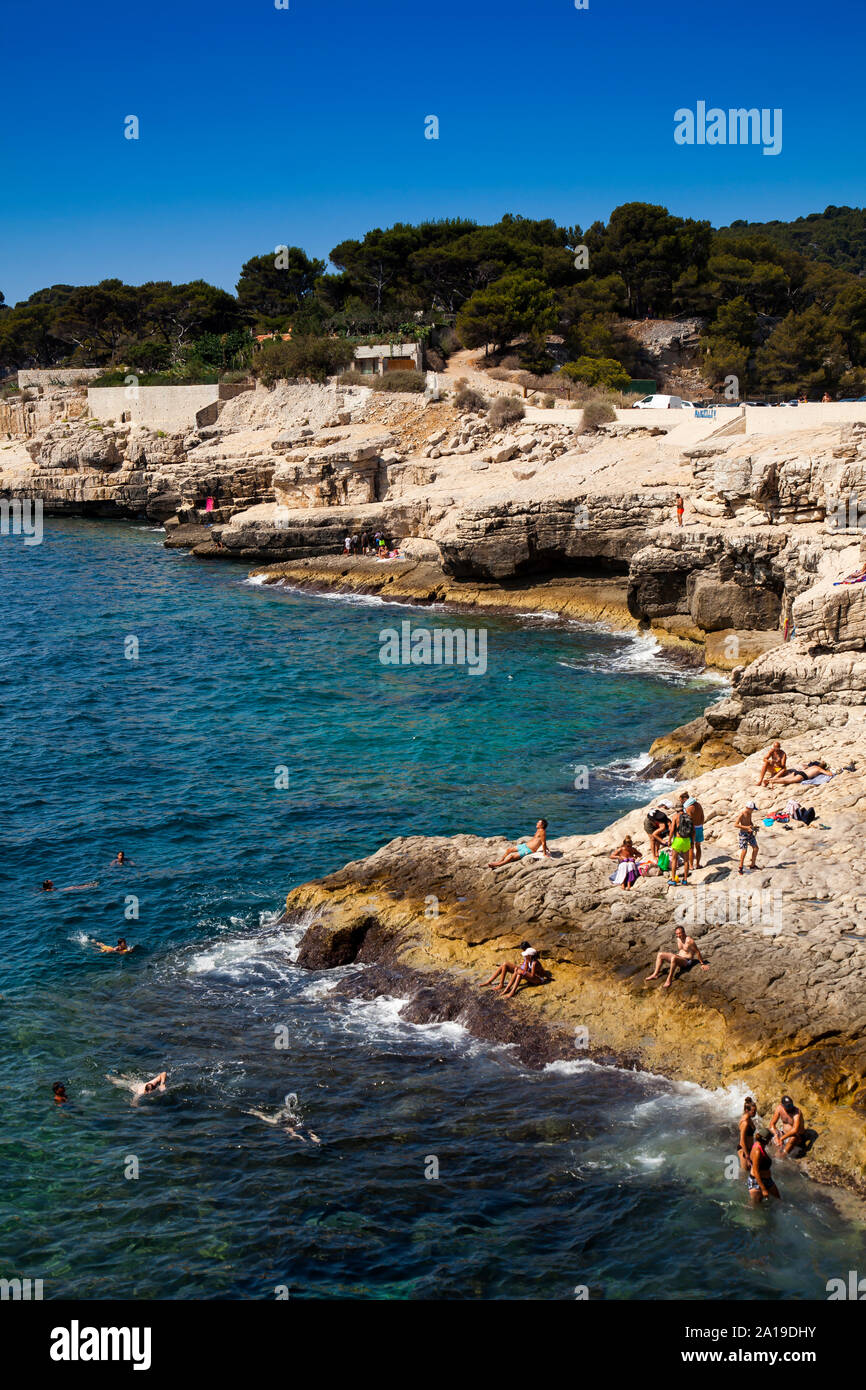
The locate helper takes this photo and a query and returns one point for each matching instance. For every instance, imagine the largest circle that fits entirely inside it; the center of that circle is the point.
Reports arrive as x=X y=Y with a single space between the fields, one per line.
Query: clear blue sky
x=303 y=126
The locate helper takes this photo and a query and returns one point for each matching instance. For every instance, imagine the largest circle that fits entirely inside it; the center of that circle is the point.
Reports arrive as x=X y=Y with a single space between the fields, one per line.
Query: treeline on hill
x=781 y=310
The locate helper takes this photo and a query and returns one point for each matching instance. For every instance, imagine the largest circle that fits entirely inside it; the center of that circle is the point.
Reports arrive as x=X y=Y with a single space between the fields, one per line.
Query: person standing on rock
x=696 y=812
x=681 y=845
x=681 y=506
x=746 y=837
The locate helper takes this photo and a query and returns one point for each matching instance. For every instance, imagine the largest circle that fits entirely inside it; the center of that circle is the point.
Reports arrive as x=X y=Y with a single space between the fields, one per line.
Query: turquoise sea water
x=579 y=1175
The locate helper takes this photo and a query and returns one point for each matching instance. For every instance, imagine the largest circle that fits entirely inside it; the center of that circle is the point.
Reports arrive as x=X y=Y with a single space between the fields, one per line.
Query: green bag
x=664 y=860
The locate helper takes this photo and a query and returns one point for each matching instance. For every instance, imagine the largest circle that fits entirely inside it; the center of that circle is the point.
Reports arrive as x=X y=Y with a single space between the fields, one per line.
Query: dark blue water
x=580 y=1175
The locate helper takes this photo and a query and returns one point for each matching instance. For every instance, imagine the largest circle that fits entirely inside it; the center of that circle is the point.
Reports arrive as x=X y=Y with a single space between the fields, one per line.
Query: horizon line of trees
x=779 y=311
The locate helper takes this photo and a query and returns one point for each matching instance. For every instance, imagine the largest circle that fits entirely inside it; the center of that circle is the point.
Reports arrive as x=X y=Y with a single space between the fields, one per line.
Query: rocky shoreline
x=538 y=516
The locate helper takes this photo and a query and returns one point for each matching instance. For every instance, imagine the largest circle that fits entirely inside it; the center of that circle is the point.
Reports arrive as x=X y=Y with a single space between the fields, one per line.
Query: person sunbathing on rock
x=857 y=577
x=791 y=775
x=793 y=1126
x=683 y=957
x=529 y=970
x=774 y=764
x=536 y=842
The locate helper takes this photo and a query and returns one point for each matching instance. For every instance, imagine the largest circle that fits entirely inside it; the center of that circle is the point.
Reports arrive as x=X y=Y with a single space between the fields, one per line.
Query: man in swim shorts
x=681 y=843
x=684 y=955
x=746 y=837
x=121 y=949
x=793 y=1126
x=694 y=809
x=536 y=842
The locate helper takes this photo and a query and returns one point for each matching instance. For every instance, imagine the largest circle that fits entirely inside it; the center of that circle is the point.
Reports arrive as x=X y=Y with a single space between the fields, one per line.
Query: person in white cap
x=746 y=836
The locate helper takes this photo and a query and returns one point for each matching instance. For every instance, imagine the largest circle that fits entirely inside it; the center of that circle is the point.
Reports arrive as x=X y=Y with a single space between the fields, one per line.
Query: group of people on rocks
x=365 y=544
x=675 y=839
x=787 y=1131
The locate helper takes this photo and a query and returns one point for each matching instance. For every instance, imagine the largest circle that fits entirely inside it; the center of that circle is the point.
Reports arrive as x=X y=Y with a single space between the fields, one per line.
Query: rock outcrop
x=782 y=1007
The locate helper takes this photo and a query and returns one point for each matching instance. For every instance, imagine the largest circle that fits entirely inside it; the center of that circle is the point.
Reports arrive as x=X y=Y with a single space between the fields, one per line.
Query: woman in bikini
x=747 y=1133
x=761 y=1183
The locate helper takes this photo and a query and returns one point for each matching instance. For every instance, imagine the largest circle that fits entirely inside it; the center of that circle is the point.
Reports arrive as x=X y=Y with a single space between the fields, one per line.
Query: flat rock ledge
x=781 y=1009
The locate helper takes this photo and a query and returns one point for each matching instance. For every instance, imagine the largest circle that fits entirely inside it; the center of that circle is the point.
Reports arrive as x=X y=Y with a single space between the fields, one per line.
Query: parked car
x=657 y=402
x=757 y=403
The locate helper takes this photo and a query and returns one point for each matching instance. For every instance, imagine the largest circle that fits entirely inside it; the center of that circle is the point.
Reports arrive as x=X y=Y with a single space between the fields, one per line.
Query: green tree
x=275 y=287
x=515 y=304
x=598 y=371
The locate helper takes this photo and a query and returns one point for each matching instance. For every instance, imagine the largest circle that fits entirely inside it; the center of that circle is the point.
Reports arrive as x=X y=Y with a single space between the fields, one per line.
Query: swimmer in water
x=283 y=1116
x=156 y=1085
x=121 y=862
x=60 y=1096
x=48 y=886
x=121 y=949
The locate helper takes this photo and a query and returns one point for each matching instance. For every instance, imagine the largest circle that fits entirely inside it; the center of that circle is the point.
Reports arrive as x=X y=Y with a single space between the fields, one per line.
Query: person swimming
x=60 y=1096
x=287 y=1117
x=121 y=862
x=120 y=949
x=49 y=887
x=138 y=1089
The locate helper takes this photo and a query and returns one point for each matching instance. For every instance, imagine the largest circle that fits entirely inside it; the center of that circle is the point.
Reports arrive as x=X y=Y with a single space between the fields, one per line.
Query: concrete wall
x=57 y=376
x=782 y=419
x=170 y=408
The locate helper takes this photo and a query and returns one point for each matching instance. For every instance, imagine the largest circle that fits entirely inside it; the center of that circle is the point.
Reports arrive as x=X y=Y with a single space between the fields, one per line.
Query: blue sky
x=260 y=127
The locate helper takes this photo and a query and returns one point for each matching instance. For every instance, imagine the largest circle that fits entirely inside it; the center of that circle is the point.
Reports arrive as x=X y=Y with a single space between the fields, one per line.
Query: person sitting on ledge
x=792 y=1133
x=774 y=764
x=529 y=970
x=683 y=957
x=536 y=842
x=626 y=857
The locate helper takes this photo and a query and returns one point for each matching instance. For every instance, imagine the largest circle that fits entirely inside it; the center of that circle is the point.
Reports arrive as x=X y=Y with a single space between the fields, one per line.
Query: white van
x=660 y=403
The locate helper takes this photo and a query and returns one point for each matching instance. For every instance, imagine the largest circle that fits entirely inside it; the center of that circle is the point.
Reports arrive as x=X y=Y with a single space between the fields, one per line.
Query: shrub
x=498 y=373
x=313 y=358
x=596 y=413
x=467 y=400
x=232 y=377
x=549 y=402
x=399 y=381
x=505 y=410
x=435 y=360
x=354 y=378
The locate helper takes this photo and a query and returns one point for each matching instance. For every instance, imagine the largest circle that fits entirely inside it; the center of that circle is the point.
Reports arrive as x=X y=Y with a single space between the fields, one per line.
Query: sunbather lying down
x=858 y=577
x=535 y=844
x=530 y=971
x=791 y=775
